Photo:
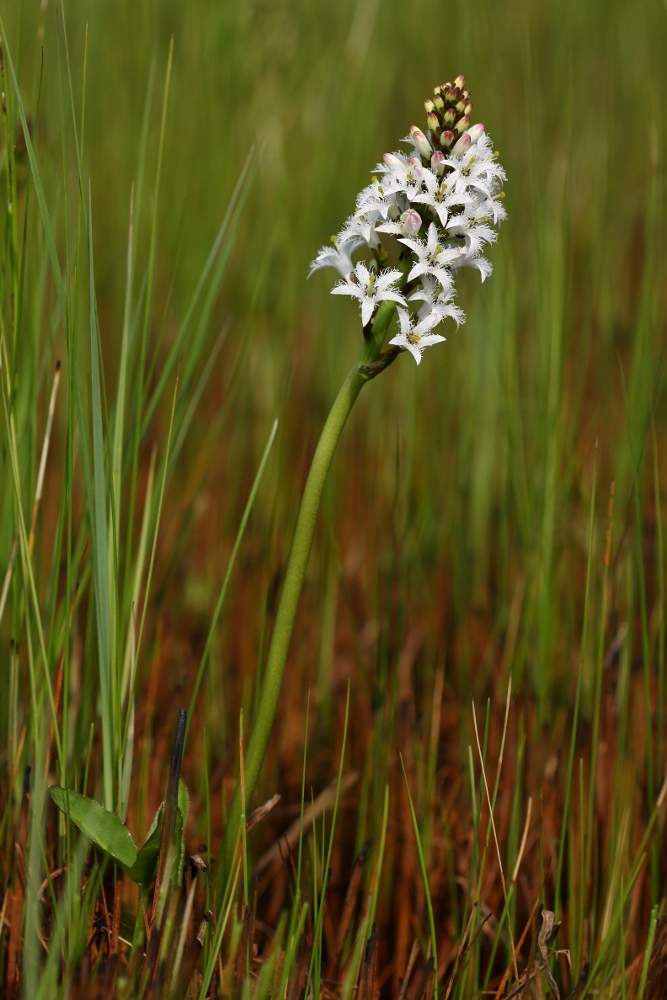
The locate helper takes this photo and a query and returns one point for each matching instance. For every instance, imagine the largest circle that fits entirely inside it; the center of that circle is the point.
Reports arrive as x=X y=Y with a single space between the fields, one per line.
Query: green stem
x=296 y=571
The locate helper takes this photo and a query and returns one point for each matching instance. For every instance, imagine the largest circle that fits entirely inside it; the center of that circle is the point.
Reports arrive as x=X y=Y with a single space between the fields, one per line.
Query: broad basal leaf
x=104 y=828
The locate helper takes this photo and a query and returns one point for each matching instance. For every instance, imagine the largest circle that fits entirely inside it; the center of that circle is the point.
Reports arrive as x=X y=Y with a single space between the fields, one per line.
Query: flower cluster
x=437 y=205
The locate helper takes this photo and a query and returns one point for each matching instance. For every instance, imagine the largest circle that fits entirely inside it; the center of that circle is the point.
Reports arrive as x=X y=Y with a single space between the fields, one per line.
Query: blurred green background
x=455 y=525
x=480 y=461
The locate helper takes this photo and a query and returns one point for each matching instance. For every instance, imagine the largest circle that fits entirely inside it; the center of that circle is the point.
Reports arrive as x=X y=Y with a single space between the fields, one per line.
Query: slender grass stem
x=577 y=697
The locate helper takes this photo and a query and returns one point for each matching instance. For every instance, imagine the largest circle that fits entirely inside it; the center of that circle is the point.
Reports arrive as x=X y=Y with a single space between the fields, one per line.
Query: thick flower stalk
x=426 y=214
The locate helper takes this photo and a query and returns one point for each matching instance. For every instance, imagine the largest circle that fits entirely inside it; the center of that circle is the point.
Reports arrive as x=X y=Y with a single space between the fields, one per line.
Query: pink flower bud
x=459 y=81
x=462 y=145
x=446 y=138
x=433 y=123
x=429 y=106
x=411 y=222
x=462 y=124
x=415 y=165
x=391 y=159
x=422 y=144
x=438 y=163
x=476 y=132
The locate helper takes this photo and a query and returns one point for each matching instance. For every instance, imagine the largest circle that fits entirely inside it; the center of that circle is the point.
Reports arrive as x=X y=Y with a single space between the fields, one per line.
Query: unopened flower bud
x=459 y=81
x=476 y=131
x=465 y=94
x=468 y=107
x=411 y=222
x=391 y=159
x=438 y=163
x=462 y=124
x=433 y=122
x=429 y=106
x=447 y=138
x=460 y=105
x=449 y=117
x=422 y=144
x=462 y=145
x=438 y=101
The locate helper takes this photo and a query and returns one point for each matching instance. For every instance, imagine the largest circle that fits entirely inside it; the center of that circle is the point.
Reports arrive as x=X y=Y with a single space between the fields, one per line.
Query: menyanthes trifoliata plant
x=426 y=214
x=430 y=212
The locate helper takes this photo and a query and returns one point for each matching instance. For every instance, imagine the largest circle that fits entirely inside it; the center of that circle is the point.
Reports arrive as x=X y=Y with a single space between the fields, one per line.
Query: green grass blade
x=427 y=890
x=230 y=567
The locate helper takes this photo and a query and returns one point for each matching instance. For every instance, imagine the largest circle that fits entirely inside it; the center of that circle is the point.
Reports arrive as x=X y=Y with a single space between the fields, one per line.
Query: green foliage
x=104 y=828
x=108 y=833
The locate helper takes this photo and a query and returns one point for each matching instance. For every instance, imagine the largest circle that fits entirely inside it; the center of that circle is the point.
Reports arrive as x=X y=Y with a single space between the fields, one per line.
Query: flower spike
x=433 y=210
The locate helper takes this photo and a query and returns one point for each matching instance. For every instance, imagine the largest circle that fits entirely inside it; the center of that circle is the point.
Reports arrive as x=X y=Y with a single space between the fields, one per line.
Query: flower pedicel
x=440 y=202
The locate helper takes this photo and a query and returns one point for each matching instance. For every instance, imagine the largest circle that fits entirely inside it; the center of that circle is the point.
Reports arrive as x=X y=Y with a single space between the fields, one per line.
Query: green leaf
x=145 y=867
x=183 y=800
x=104 y=828
x=179 y=845
x=157 y=822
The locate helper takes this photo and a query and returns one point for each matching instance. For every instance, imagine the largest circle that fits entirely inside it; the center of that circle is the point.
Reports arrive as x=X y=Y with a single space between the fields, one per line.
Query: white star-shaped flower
x=437 y=305
x=402 y=174
x=439 y=195
x=433 y=258
x=377 y=198
x=367 y=227
x=415 y=335
x=370 y=288
x=474 y=240
x=337 y=255
x=476 y=169
x=478 y=210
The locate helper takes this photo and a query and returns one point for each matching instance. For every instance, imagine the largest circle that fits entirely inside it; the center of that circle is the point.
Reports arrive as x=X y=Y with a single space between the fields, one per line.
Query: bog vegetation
x=465 y=787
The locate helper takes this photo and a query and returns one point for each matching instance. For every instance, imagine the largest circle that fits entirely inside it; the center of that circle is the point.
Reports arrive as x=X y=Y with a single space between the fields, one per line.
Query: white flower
x=370 y=288
x=440 y=195
x=377 y=198
x=362 y=228
x=476 y=168
x=338 y=255
x=474 y=239
x=415 y=336
x=478 y=211
x=402 y=175
x=449 y=182
x=428 y=291
x=437 y=305
x=433 y=258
